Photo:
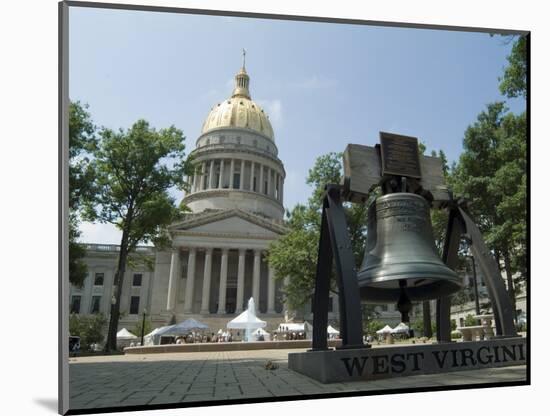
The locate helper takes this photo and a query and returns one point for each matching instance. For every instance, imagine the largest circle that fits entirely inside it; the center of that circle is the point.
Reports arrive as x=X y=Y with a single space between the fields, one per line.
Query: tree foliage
x=82 y=141
x=89 y=328
x=492 y=175
x=147 y=327
x=514 y=81
x=133 y=172
x=294 y=255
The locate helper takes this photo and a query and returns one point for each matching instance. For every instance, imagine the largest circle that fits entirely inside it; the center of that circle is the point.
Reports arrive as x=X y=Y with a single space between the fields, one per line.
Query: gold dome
x=239 y=111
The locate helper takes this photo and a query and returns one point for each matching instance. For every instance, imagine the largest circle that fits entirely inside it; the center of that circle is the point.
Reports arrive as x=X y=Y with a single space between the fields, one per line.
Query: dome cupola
x=239 y=111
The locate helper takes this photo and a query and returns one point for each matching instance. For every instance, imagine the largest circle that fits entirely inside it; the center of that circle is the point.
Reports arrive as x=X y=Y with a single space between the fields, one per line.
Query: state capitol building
x=216 y=262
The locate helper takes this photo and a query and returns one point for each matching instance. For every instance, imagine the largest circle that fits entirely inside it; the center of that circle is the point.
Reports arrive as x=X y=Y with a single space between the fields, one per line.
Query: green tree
x=373 y=326
x=295 y=254
x=88 y=328
x=148 y=327
x=492 y=175
x=514 y=81
x=134 y=171
x=81 y=142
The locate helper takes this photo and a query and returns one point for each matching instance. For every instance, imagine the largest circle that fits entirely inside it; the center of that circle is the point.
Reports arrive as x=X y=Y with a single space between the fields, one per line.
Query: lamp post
x=143 y=326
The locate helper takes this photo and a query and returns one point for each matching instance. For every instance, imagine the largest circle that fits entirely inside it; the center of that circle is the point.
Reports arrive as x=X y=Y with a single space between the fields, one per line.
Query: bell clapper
x=404 y=304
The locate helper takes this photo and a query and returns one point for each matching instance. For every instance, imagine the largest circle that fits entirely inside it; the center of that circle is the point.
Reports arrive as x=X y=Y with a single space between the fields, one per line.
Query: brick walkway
x=129 y=380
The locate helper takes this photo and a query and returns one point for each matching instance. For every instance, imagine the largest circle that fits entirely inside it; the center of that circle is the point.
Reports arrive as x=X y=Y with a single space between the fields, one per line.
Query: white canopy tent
x=125 y=338
x=125 y=335
x=332 y=331
x=402 y=328
x=291 y=327
x=153 y=337
x=386 y=330
x=247 y=321
x=261 y=332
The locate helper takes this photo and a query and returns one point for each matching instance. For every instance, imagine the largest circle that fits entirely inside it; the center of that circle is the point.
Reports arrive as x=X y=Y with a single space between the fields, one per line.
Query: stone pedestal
x=377 y=363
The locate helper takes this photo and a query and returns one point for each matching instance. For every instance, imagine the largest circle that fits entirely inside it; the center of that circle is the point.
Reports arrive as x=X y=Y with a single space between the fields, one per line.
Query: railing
x=116 y=248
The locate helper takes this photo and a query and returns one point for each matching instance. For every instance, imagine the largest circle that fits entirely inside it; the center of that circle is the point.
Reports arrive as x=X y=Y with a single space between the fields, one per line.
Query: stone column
x=256 y=277
x=220 y=184
x=195 y=179
x=223 y=283
x=240 y=281
x=269 y=181
x=231 y=173
x=211 y=175
x=281 y=189
x=190 y=283
x=173 y=282
x=206 y=282
x=261 y=187
x=271 y=291
x=241 y=182
x=203 y=176
x=251 y=176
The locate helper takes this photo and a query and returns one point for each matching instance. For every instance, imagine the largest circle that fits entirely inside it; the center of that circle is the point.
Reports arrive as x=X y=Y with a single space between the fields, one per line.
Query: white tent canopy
x=386 y=330
x=262 y=332
x=124 y=334
x=291 y=327
x=247 y=319
x=332 y=331
x=153 y=337
x=402 y=328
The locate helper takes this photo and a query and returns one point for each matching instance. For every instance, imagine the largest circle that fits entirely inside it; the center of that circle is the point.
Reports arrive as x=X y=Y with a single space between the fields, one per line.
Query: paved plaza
x=129 y=380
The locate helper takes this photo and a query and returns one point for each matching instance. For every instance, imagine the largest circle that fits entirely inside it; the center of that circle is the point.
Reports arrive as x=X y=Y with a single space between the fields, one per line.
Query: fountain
x=247 y=321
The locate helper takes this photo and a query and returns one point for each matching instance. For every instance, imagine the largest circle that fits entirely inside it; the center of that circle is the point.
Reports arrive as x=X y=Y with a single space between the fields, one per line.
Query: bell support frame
x=460 y=223
x=335 y=245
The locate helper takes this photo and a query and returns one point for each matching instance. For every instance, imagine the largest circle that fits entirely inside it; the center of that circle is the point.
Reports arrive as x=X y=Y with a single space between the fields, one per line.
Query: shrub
x=89 y=328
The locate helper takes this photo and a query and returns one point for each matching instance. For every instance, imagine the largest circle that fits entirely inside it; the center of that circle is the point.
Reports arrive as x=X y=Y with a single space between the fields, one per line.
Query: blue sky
x=323 y=85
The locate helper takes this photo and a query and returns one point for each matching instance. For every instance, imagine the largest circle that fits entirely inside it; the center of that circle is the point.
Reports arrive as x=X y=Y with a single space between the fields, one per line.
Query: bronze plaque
x=399 y=155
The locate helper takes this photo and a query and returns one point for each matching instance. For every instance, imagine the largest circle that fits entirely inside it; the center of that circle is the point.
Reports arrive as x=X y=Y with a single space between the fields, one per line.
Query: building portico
x=216 y=263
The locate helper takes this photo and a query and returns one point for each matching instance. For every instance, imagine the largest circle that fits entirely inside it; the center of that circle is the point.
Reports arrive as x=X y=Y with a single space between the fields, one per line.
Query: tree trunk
x=510 y=281
x=427 y=319
x=111 y=344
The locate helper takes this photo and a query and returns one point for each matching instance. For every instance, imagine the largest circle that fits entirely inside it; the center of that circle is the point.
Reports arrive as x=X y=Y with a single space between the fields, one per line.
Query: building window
x=98 y=279
x=236 y=181
x=254 y=185
x=96 y=302
x=265 y=187
x=134 y=305
x=137 y=280
x=75 y=304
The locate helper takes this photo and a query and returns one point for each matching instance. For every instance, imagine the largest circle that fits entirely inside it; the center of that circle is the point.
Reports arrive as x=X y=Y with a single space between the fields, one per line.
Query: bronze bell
x=401 y=260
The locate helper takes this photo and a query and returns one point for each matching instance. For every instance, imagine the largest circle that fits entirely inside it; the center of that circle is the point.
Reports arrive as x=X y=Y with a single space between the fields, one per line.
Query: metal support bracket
x=460 y=222
x=335 y=245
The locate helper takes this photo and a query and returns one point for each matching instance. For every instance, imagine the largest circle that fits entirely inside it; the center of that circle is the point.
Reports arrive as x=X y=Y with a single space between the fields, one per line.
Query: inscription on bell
x=399 y=155
x=397 y=208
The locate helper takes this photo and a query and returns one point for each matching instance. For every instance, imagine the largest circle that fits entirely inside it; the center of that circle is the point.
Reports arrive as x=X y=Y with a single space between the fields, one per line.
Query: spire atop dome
x=241 y=81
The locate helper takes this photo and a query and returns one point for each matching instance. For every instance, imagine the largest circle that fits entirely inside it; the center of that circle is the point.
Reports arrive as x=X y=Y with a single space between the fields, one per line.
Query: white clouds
x=296 y=190
x=99 y=233
x=317 y=82
x=274 y=109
